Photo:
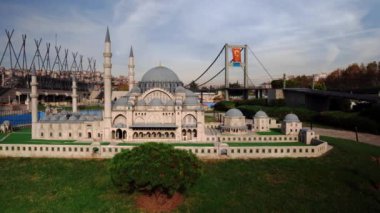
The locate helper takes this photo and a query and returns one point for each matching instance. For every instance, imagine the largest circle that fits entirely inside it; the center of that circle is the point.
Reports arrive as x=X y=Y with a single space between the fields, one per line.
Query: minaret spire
x=74 y=95
x=131 y=70
x=131 y=52
x=34 y=97
x=108 y=36
x=107 y=119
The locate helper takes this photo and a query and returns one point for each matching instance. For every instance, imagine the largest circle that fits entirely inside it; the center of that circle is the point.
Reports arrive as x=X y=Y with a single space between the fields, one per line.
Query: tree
x=155 y=168
x=193 y=86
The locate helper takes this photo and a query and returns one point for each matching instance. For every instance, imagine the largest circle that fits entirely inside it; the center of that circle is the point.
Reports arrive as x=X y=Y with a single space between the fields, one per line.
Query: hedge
x=278 y=112
x=348 y=121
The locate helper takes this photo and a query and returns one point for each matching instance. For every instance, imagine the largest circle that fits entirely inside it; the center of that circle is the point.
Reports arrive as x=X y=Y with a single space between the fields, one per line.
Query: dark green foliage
x=372 y=112
x=155 y=167
x=278 y=112
x=348 y=121
x=224 y=105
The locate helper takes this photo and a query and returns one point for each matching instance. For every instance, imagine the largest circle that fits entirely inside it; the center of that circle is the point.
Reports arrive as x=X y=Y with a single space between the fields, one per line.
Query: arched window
x=189 y=120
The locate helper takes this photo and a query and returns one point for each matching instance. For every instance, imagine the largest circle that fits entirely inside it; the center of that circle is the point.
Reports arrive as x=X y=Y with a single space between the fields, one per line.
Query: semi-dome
x=155 y=102
x=141 y=102
x=190 y=101
x=160 y=74
x=135 y=89
x=234 y=113
x=261 y=114
x=121 y=101
x=291 y=118
x=170 y=103
x=180 y=89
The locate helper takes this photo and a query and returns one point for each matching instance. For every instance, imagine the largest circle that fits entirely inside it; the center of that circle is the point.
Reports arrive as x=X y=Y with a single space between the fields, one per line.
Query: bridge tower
x=228 y=64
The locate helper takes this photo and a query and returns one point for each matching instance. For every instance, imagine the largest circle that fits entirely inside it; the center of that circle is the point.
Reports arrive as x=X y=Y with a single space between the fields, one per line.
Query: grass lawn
x=271 y=132
x=23 y=136
x=173 y=144
x=341 y=181
x=210 y=118
x=267 y=144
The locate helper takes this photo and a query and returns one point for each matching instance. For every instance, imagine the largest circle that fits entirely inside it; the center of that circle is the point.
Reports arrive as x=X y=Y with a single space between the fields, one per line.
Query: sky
x=288 y=36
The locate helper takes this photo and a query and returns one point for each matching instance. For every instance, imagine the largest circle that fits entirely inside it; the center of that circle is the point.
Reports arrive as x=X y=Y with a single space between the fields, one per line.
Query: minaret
x=107 y=86
x=131 y=70
x=74 y=95
x=34 y=97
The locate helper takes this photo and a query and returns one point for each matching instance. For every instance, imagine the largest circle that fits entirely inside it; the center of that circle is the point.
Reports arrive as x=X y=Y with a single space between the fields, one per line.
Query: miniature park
x=76 y=140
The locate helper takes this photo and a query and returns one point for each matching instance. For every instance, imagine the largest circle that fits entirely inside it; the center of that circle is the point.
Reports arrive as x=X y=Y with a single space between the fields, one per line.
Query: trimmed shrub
x=279 y=112
x=155 y=168
x=224 y=105
x=348 y=121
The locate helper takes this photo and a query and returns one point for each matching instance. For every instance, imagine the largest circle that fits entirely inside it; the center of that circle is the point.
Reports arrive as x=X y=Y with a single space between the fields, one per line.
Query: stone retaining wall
x=222 y=151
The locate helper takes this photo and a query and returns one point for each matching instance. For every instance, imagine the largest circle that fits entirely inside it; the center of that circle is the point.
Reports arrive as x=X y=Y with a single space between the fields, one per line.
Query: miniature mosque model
x=158 y=108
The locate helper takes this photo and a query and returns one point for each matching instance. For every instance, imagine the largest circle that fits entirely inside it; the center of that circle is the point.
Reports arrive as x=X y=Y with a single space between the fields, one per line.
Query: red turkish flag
x=236 y=55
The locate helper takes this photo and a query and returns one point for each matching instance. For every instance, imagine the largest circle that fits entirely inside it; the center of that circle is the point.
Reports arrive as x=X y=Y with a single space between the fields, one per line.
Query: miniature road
x=363 y=137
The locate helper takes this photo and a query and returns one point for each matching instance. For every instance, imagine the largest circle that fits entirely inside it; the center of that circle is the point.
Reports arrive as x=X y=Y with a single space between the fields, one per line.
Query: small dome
x=54 y=118
x=261 y=114
x=73 y=118
x=82 y=118
x=141 y=102
x=291 y=118
x=63 y=118
x=160 y=74
x=135 y=89
x=189 y=93
x=155 y=102
x=180 y=89
x=190 y=101
x=234 y=113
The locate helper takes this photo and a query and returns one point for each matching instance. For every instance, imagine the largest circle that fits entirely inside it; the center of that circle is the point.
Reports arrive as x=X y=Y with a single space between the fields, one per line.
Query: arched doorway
x=119 y=134
x=124 y=134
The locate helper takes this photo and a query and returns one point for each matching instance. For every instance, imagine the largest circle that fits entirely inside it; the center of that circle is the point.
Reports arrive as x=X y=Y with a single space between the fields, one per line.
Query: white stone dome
x=234 y=113
x=291 y=118
x=261 y=114
x=160 y=74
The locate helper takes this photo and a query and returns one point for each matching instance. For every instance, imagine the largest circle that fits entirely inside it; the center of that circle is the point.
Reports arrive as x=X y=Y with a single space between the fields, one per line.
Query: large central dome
x=160 y=74
x=160 y=77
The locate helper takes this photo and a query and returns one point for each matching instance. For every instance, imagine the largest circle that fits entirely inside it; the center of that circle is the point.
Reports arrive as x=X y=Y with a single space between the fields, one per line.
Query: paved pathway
x=363 y=137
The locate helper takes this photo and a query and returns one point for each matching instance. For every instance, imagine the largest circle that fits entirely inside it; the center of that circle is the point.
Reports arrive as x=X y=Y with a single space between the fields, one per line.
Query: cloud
x=294 y=37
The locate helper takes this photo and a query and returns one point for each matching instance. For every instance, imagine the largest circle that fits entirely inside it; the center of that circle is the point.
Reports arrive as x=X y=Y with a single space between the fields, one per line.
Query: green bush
x=155 y=168
x=224 y=105
x=279 y=112
x=348 y=121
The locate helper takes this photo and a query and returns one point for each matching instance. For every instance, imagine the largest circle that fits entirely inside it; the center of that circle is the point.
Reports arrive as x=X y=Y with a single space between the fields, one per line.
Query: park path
x=363 y=137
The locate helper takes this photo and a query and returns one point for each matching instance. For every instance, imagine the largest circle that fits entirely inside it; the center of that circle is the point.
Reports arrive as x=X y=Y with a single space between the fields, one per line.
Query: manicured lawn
x=210 y=118
x=267 y=144
x=341 y=181
x=271 y=132
x=23 y=136
x=173 y=144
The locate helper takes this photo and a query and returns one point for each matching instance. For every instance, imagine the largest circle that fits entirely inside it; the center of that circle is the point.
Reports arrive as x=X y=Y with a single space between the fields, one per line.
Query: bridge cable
x=209 y=66
x=261 y=64
x=212 y=77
